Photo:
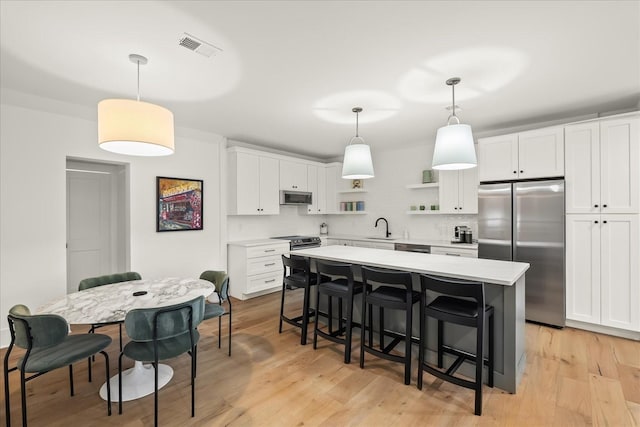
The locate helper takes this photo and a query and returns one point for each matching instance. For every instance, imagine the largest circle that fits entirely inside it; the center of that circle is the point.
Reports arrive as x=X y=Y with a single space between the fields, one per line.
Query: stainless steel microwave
x=288 y=197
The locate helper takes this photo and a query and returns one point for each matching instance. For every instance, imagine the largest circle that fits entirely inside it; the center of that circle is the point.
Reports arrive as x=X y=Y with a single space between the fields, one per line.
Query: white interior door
x=95 y=242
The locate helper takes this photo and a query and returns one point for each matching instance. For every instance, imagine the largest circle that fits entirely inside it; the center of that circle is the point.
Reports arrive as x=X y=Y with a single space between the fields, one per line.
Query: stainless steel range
x=301 y=242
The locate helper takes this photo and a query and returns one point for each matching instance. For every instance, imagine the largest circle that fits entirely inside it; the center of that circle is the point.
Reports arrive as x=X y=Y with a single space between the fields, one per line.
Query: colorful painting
x=179 y=204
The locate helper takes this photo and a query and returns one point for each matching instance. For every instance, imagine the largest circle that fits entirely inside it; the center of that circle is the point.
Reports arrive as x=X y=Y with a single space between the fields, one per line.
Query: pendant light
x=454 y=143
x=133 y=127
x=357 y=156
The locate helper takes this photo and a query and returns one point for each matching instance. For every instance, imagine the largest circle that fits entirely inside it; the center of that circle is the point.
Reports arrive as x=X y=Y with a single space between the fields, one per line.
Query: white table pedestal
x=137 y=382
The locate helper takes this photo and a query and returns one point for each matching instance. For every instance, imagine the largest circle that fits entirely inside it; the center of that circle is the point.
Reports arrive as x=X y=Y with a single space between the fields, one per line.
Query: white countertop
x=258 y=242
x=430 y=242
x=483 y=270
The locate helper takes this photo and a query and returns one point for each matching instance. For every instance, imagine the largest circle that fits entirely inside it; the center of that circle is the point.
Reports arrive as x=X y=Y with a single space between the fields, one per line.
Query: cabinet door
x=583 y=268
x=312 y=186
x=269 y=184
x=293 y=176
x=468 y=191
x=247 y=189
x=320 y=198
x=620 y=163
x=620 y=289
x=582 y=163
x=498 y=158
x=332 y=172
x=541 y=153
x=448 y=191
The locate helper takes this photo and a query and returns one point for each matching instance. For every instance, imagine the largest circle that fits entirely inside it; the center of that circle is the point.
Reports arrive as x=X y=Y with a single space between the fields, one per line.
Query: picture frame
x=357 y=184
x=178 y=204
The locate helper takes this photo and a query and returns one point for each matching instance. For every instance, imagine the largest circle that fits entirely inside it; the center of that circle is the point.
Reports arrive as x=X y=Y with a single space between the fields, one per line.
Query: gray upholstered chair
x=162 y=333
x=220 y=280
x=108 y=279
x=48 y=345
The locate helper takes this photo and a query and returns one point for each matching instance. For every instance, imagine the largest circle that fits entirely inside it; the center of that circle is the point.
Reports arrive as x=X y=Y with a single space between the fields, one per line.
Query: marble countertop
x=430 y=242
x=110 y=303
x=258 y=242
x=483 y=270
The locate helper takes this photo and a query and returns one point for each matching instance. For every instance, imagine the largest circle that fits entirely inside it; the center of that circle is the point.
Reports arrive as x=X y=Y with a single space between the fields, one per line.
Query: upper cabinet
x=293 y=175
x=333 y=172
x=253 y=184
x=526 y=155
x=459 y=191
x=317 y=185
x=602 y=166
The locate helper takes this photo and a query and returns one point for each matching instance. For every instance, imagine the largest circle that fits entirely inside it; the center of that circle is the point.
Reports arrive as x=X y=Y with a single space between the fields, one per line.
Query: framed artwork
x=357 y=184
x=179 y=204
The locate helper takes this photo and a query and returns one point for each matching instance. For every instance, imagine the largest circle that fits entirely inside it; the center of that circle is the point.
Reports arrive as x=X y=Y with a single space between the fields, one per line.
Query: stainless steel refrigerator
x=524 y=221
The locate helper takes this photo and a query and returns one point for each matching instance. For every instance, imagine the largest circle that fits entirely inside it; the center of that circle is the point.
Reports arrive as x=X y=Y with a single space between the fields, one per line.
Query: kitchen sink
x=382 y=238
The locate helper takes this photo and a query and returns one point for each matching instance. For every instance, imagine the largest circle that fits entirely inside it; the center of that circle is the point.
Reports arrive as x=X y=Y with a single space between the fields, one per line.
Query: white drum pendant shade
x=135 y=128
x=357 y=162
x=454 y=148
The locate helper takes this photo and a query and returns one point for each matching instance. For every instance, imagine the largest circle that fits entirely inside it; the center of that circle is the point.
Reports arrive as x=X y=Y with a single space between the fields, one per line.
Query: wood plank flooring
x=572 y=378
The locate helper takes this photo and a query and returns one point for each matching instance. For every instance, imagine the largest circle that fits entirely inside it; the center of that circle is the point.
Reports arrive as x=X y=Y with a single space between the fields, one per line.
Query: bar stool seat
x=299 y=277
x=395 y=292
x=341 y=286
x=466 y=307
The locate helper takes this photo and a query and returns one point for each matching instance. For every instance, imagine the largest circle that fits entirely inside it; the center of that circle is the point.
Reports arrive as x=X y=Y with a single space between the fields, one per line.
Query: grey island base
x=504 y=290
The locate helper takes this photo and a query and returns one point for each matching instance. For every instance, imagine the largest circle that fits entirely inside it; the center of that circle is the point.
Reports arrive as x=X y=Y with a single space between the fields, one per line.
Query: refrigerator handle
x=514 y=222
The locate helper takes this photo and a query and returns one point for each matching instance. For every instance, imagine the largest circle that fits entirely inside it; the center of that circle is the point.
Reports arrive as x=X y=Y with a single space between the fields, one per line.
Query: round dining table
x=110 y=303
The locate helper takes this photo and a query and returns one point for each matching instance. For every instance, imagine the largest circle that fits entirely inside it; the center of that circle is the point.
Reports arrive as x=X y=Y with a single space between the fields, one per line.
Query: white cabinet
x=255 y=268
x=463 y=252
x=603 y=280
x=317 y=185
x=526 y=155
x=293 y=175
x=365 y=243
x=459 y=191
x=333 y=172
x=603 y=166
x=253 y=182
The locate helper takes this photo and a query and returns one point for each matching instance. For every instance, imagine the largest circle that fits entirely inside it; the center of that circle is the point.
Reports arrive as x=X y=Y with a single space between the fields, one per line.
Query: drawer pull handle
x=269 y=281
x=270 y=264
x=448 y=253
x=269 y=250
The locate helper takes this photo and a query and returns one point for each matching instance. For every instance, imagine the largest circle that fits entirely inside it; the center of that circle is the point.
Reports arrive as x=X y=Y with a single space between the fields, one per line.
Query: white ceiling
x=290 y=72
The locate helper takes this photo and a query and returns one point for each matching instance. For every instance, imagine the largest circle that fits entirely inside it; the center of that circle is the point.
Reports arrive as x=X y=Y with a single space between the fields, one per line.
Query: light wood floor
x=572 y=377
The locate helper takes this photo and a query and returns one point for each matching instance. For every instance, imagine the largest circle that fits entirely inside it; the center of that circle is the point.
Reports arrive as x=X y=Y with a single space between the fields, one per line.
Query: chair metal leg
x=347 y=341
x=23 y=397
x=106 y=363
x=120 y=332
x=479 y=364
x=120 y=384
x=219 y=331
x=7 y=406
x=423 y=341
x=491 y=352
x=229 y=329
x=362 y=327
x=155 y=392
x=305 y=317
x=71 y=379
x=440 y=343
x=284 y=289
x=193 y=380
x=381 y=332
x=407 y=341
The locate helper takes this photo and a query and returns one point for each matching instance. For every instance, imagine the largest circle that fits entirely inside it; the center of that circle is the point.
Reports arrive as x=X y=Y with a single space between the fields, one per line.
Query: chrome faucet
x=387 y=234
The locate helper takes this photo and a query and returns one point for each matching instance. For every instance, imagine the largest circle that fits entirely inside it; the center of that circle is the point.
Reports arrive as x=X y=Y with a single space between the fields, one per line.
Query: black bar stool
x=396 y=293
x=343 y=287
x=470 y=312
x=299 y=277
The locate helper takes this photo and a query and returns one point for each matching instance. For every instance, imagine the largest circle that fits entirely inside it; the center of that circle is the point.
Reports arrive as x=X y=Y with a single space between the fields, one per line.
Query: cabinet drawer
x=264 y=281
x=469 y=253
x=260 y=251
x=264 y=265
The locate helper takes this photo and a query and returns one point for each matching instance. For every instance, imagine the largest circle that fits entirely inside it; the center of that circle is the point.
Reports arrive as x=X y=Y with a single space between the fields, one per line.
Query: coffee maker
x=462 y=234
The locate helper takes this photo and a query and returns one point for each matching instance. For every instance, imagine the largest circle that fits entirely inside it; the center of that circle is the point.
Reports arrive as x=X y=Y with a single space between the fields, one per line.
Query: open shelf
x=420 y=186
x=357 y=190
x=423 y=212
x=350 y=213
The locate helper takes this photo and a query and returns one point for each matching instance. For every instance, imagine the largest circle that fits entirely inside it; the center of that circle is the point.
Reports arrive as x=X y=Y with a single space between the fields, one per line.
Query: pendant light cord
x=357 y=124
x=453 y=82
x=138 y=62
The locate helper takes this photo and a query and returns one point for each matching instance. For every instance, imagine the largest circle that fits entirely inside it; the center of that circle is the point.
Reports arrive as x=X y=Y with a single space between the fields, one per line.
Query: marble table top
x=110 y=303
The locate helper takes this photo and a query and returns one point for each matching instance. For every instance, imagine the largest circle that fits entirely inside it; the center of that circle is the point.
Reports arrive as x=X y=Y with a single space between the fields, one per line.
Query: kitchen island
x=504 y=290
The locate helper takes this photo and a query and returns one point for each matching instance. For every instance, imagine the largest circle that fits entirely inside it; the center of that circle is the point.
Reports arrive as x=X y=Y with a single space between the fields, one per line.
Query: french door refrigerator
x=524 y=221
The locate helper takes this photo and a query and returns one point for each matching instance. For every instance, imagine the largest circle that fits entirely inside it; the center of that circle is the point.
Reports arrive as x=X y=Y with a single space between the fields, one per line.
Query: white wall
x=387 y=196
x=34 y=146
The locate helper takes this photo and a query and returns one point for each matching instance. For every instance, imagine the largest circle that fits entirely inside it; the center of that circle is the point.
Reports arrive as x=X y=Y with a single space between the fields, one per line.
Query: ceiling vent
x=198 y=45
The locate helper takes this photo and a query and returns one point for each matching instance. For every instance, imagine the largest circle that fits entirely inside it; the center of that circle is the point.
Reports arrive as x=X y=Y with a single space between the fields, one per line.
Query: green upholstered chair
x=48 y=345
x=162 y=333
x=108 y=279
x=220 y=280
